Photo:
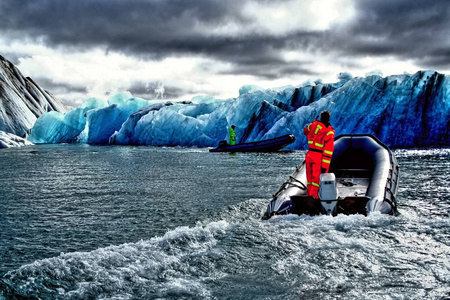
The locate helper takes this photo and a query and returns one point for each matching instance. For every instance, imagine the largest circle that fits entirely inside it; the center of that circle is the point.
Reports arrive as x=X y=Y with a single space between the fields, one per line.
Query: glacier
x=408 y=110
x=22 y=100
x=9 y=140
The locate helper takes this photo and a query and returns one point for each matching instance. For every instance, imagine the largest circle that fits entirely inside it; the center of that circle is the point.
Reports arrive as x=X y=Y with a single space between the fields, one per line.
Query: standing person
x=232 y=140
x=320 y=136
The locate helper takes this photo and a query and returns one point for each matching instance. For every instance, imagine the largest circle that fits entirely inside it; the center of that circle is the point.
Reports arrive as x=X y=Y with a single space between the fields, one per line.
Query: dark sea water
x=103 y=222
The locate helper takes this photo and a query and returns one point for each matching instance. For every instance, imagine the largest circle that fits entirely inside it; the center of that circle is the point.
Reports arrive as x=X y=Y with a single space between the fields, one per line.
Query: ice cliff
x=22 y=101
x=401 y=110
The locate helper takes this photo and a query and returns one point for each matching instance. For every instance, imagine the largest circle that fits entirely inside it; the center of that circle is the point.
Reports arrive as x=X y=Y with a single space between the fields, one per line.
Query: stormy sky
x=179 y=49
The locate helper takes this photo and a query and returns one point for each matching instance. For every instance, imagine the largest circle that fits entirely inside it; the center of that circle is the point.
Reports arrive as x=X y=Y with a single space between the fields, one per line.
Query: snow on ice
x=9 y=140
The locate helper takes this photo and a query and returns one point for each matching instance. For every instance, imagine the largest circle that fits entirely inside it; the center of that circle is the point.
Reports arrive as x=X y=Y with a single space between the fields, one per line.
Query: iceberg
x=249 y=89
x=401 y=110
x=55 y=127
x=102 y=122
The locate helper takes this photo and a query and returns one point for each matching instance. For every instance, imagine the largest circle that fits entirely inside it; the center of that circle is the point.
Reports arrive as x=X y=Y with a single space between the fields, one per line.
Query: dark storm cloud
x=57 y=88
x=148 y=29
x=406 y=29
x=143 y=27
x=259 y=55
x=272 y=70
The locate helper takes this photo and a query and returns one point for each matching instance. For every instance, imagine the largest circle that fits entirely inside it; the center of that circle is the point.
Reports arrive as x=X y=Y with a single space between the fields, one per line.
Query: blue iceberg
x=401 y=110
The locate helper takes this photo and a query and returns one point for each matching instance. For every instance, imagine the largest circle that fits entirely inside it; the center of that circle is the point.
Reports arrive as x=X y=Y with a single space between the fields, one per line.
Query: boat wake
x=174 y=264
x=253 y=256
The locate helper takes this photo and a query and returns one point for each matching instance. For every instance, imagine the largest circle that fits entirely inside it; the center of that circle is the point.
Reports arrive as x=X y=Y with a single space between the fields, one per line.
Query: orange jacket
x=321 y=139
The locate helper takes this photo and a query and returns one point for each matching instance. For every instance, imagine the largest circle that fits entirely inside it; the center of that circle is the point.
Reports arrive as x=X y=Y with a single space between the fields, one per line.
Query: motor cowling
x=328 y=193
x=223 y=144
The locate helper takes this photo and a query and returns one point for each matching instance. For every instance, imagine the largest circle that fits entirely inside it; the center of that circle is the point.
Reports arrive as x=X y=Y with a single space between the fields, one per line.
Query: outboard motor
x=223 y=144
x=328 y=193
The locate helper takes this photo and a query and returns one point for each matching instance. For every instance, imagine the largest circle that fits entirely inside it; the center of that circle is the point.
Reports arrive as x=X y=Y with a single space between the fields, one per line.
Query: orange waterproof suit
x=318 y=158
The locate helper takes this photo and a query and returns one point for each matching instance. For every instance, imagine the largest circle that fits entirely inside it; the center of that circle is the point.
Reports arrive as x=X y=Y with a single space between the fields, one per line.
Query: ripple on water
x=139 y=223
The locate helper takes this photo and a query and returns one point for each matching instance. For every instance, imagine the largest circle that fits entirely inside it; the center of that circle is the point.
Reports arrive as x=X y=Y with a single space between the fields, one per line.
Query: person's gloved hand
x=323 y=170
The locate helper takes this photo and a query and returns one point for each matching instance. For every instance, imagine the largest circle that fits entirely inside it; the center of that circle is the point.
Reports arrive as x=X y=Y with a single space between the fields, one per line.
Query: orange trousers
x=313 y=162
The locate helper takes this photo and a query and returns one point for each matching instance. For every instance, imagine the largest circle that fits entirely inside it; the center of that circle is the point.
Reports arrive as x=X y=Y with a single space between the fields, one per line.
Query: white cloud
x=298 y=15
x=101 y=74
x=283 y=18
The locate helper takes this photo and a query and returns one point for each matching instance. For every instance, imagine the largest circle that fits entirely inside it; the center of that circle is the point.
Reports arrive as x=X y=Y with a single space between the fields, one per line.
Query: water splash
x=289 y=256
x=161 y=267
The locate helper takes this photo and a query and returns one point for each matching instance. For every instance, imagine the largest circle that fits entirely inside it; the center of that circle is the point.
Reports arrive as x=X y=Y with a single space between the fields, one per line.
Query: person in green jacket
x=232 y=140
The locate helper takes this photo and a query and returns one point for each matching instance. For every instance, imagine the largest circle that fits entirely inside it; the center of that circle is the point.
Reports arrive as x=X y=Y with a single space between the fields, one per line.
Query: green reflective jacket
x=232 y=137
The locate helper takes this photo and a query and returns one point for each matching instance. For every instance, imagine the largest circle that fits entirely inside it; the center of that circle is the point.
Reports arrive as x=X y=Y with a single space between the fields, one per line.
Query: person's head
x=233 y=126
x=325 y=116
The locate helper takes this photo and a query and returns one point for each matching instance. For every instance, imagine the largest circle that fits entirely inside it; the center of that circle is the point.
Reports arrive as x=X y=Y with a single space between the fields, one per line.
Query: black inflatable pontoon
x=259 y=146
x=363 y=178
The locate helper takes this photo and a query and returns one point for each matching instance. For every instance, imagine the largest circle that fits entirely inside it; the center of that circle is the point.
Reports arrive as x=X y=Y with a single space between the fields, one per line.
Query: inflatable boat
x=363 y=178
x=274 y=144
